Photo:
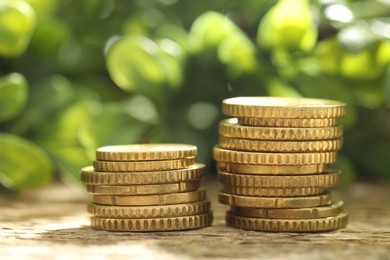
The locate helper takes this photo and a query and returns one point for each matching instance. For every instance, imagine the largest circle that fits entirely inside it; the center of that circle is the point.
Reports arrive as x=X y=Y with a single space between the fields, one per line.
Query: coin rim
x=150 y=200
x=256 y=169
x=225 y=155
x=149 y=189
x=230 y=128
x=290 y=225
x=160 y=211
x=178 y=151
x=325 y=109
x=139 y=166
x=288 y=122
x=299 y=213
x=174 y=223
x=273 y=192
x=323 y=180
x=274 y=202
x=193 y=173
x=251 y=145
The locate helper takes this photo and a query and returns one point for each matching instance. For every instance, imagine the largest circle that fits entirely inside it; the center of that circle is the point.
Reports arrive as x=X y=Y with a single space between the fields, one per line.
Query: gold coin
x=224 y=155
x=193 y=173
x=230 y=128
x=287 y=122
x=163 y=211
x=153 y=224
x=275 y=202
x=139 y=166
x=145 y=152
x=272 y=169
x=302 y=213
x=143 y=189
x=150 y=200
x=325 y=180
x=279 y=107
x=288 y=225
x=280 y=146
x=273 y=192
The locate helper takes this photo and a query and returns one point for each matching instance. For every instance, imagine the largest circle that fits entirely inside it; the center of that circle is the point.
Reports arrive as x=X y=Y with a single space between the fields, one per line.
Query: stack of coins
x=146 y=187
x=273 y=160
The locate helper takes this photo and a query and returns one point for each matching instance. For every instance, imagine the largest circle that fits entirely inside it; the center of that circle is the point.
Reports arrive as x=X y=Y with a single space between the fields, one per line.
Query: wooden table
x=53 y=224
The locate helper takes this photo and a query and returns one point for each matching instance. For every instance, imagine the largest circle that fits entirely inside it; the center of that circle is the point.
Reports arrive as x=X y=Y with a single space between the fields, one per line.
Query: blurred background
x=79 y=74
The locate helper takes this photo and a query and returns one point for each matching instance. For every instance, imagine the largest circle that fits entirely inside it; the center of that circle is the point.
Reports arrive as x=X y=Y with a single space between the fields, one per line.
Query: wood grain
x=53 y=223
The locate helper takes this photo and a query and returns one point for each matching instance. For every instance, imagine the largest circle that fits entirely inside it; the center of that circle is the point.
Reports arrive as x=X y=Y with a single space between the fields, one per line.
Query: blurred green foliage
x=61 y=63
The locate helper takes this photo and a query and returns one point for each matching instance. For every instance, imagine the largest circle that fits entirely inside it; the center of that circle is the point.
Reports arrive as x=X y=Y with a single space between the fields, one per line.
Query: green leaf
x=142 y=109
x=43 y=8
x=143 y=22
x=23 y=165
x=13 y=95
x=171 y=59
x=69 y=159
x=239 y=54
x=209 y=30
x=46 y=101
x=17 y=23
x=65 y=129
x=288 y=25
x=329 y=53
x=278 y=88
x=175 y=33
x=62 y=142
x=284 y=63
x=49 y=36
x=365 y=64
x=132 y=64
x=110 y=126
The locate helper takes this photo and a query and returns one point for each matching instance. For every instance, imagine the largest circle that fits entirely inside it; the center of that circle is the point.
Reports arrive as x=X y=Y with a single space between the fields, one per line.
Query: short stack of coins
x=147 y=187
x=274 y=162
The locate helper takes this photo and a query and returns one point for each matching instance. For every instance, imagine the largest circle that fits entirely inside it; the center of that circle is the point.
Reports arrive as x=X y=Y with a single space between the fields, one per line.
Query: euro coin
x=194 y=172
x=325 y=180
x=153 y=224
x=143 y=189
x=279 y=107
x=288 y=225
x=273 y=192
x=232 y=156
x=257 y=169
x=140 y=166
x=288 y=122
x=302 y=213
x=275 y=202
x=145 y=152
x=230 y=128
x=161 y=211
x=150 y=200
x=280 y=146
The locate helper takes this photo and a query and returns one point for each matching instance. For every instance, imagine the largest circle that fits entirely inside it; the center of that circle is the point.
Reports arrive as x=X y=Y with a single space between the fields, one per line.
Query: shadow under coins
x=215 y=241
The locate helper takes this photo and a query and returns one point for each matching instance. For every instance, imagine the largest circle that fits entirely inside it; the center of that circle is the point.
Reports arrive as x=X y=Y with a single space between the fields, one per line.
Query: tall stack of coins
x=273 y=160
x=146 y=187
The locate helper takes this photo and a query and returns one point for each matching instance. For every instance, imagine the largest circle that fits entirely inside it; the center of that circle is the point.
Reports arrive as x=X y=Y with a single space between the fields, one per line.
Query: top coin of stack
x=273 y=160
x=146 y=187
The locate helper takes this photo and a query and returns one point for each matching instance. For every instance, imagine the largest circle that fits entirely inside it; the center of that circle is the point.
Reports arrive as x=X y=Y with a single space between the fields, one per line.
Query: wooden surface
x=53 y=224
